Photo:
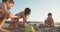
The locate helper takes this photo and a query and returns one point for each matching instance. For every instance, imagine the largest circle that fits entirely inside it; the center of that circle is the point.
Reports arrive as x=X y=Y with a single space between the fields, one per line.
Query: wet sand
x=54 y=29
x=46 y=29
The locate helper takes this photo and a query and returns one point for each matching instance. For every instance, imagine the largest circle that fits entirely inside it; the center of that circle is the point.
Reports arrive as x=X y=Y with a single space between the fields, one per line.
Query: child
x=1 y=19
x=22 y=15
x=5 y=10
x=49 y=21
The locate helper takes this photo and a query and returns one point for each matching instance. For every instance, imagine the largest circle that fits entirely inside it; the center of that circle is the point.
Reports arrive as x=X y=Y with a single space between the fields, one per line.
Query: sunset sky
x=39 y=9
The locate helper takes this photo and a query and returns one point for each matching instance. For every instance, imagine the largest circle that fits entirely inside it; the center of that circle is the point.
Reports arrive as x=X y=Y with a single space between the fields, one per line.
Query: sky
x=39 y=9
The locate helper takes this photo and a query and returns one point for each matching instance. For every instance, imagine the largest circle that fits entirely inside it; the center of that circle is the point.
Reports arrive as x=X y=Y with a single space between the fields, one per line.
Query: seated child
x=49 y=21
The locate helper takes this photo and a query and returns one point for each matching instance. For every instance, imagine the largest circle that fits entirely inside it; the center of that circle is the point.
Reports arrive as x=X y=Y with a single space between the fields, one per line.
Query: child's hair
x=4 y=0
x=27 y=11
x=11 y=1
x=50 y=14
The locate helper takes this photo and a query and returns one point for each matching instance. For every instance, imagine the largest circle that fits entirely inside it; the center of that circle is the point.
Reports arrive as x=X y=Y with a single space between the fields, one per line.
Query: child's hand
x=15 y=17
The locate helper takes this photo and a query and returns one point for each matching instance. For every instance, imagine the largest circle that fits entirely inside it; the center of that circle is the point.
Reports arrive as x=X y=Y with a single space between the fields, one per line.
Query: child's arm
x=24 y=20
x=12 y=16
x=3 y=21
x=52 y=22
